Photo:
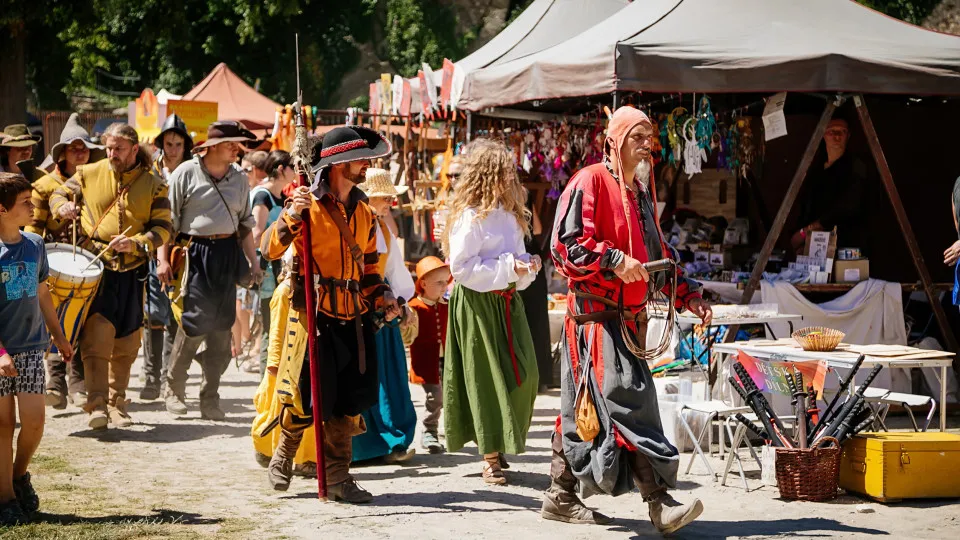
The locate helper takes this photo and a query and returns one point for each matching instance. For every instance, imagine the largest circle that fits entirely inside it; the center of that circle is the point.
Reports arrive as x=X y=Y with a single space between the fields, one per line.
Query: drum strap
x=123 y=191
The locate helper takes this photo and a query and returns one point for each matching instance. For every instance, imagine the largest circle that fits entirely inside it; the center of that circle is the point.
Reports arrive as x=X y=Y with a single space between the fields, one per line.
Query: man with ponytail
x=605 y=229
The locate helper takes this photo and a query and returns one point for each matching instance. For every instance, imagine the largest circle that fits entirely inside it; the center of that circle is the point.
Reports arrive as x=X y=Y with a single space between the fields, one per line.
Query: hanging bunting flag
x=386 y=85
x=431 y=86
x=425 y=105
x=374 y=107
x=397 y=100
x=446 y=86
x=405 y=97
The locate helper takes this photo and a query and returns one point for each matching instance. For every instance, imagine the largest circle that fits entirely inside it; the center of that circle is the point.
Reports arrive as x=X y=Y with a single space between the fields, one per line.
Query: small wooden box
x=893 y=466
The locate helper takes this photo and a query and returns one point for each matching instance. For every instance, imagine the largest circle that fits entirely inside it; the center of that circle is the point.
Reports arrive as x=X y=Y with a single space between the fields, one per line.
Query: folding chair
x=907 y=401
x=715 y=410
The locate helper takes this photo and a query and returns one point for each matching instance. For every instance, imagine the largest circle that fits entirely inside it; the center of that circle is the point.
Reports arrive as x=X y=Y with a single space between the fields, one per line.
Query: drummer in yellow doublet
x=74 y=149
x=126 y=215
x=288 y=340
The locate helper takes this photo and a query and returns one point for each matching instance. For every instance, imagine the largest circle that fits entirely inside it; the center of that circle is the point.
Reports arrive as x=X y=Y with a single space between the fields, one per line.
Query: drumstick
x=75 y=229
x=124 y=233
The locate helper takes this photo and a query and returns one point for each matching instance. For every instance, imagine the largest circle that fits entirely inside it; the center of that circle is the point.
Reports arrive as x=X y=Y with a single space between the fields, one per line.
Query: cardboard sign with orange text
x=771 y=375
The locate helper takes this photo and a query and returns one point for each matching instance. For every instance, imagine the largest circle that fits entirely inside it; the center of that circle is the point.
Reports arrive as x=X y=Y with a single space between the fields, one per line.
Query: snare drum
x=72 y=285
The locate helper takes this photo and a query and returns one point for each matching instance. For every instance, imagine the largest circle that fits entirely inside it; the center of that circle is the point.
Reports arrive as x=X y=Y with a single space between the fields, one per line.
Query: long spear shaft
x=313 y=351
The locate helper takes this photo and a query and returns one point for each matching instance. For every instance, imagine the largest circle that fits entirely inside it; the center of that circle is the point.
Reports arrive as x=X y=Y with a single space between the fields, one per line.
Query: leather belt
x=351 y=287
x=605 y=315
x=215 y=236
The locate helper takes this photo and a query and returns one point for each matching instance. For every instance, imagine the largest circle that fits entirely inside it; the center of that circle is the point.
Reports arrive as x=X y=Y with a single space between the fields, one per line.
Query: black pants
x=345 y=391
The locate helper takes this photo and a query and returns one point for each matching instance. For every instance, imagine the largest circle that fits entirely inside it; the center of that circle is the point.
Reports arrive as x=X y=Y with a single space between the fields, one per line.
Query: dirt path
x=187 y=478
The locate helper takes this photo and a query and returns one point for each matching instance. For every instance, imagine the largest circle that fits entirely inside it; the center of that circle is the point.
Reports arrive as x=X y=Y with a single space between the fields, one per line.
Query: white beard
x=642 y=173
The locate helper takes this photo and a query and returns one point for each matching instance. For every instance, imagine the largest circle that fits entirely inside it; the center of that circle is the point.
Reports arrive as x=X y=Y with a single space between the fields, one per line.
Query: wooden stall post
x=877 y=150
x=778 y=223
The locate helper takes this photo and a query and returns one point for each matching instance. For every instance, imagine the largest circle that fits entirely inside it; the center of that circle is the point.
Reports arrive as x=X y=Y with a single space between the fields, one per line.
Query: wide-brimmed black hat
x=349 y=143
x=174 y=124
x=226 y=131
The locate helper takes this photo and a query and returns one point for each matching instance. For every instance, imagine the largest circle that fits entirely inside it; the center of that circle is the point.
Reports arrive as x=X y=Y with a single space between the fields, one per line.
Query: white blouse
x=482 y=252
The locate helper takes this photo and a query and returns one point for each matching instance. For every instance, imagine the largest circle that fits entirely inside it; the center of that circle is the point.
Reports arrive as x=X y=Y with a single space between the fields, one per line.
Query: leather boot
x=152 y=363
x=281 y=465
x=349 y=491
x=560 y=501
x=666 y=513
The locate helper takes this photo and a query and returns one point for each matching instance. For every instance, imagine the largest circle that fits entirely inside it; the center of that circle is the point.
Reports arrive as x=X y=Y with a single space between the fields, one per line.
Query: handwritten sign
x=197 y=115
x=771 y=375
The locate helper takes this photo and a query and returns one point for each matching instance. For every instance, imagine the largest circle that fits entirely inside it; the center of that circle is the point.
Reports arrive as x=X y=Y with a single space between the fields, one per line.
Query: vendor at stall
x=836 y=193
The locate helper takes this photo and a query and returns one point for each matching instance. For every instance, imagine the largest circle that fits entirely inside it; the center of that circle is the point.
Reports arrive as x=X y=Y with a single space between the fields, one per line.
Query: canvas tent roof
x=236 y=99
x=543 y=24
x=732 y=46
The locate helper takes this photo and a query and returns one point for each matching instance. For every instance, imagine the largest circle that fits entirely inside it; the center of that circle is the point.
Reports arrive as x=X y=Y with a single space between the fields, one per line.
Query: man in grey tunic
x=605 y=229
x=213 y=219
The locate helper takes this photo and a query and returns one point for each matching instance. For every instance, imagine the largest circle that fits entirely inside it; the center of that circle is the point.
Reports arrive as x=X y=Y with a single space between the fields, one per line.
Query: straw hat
x=17 y=135
x=73 y=131
x=378 y=184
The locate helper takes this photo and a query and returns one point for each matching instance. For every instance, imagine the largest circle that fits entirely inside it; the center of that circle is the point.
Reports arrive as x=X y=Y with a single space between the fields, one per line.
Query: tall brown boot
x=560 y=501
x=280 y=469
x=666 y=513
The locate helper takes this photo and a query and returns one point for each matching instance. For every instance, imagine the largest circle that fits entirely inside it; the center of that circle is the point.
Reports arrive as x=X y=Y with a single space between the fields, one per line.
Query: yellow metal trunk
x=890 y=467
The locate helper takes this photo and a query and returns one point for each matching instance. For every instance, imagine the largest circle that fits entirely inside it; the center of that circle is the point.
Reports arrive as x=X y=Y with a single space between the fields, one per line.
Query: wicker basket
x=818 y=338
x=811 y=474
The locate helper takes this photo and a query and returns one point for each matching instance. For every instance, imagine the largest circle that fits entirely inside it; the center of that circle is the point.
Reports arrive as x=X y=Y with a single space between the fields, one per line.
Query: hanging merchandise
x=706 y=124
x=693 y=155
x=746 y=150
x=674 y=133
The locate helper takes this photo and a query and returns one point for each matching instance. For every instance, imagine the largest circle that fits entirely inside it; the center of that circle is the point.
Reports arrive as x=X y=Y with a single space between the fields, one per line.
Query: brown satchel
x=345 y=233
x=585 y=410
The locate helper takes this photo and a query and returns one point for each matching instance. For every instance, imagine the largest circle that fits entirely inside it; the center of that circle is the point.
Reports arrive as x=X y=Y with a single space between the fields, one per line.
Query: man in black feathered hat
x=173 y=144
x=350 y=288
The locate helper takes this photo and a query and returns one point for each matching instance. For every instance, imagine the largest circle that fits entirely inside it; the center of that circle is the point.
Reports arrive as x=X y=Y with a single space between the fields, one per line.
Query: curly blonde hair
x=488 y=180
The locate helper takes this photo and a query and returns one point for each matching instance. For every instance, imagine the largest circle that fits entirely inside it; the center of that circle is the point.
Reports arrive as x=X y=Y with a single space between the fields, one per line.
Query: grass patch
x=62 y=487
x=45 y=463
x=104 y=530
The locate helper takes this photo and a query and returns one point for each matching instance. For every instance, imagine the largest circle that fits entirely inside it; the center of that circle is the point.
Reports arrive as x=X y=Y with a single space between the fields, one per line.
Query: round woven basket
x=818 y=338
x=810 y=474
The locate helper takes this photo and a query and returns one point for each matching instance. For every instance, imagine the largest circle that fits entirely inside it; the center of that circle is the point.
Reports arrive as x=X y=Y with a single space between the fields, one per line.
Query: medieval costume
x=426 y=351
x=347 y=279
x=536 y=307
x=17 y=145
x=598 y=223
x=211 y=218
x=110 y=338
x=161 y=325
x=392 y=422
x=287 y=345
x=65 y=378
x=490 y=374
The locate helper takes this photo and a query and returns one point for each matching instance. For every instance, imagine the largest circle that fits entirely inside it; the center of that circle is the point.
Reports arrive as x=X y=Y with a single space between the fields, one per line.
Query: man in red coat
x=605 y=228
x=426 y=352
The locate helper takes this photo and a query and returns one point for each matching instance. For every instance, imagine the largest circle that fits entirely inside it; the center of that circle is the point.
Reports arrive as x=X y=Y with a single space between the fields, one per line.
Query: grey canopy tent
x=730 y=46
x=543 y=24
x=830 y=46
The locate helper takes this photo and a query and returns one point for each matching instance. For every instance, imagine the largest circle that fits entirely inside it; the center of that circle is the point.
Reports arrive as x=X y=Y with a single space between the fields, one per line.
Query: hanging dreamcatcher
x=706 y=124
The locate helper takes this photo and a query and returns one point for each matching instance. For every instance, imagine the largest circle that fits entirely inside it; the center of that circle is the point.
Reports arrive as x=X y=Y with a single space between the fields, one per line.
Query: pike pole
x=302 y=163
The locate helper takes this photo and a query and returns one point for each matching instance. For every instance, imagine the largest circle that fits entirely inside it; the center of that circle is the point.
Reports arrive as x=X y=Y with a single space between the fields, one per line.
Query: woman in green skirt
x=490 y=376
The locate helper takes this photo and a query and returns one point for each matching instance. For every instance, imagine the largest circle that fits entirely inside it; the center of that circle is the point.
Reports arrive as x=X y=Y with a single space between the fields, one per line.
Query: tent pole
x=785 y=207
x=877 y=150
x=616 y=100
x=469 y=126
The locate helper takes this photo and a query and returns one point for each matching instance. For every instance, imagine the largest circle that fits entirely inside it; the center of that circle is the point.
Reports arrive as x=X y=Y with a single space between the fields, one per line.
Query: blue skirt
x=392 y=422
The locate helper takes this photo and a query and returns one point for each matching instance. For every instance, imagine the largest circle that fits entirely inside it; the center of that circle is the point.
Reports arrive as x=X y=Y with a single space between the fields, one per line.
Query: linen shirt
x=483 y=251
x=197 y=208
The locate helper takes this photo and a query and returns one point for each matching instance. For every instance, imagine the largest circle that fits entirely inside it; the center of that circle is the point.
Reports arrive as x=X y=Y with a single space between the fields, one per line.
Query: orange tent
x=236 y=99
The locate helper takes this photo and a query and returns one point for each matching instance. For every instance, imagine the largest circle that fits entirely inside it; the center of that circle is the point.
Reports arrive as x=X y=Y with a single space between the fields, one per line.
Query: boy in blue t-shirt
x=26 y=312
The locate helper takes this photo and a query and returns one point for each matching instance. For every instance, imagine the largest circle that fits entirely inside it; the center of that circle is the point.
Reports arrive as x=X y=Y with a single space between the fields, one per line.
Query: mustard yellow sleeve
x=41 y=210
x=279 y=318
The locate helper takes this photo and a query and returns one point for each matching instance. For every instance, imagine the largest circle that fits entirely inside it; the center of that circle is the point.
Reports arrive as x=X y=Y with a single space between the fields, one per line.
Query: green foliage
x=421 y=31
x=911 y=11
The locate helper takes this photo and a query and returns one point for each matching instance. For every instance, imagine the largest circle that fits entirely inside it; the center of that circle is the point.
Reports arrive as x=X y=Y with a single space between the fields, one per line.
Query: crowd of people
x=196 y=239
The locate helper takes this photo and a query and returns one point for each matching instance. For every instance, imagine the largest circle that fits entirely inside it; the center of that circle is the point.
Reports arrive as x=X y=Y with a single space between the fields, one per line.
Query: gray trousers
x=434 y=405
x=157 y=348
x=213 y=361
